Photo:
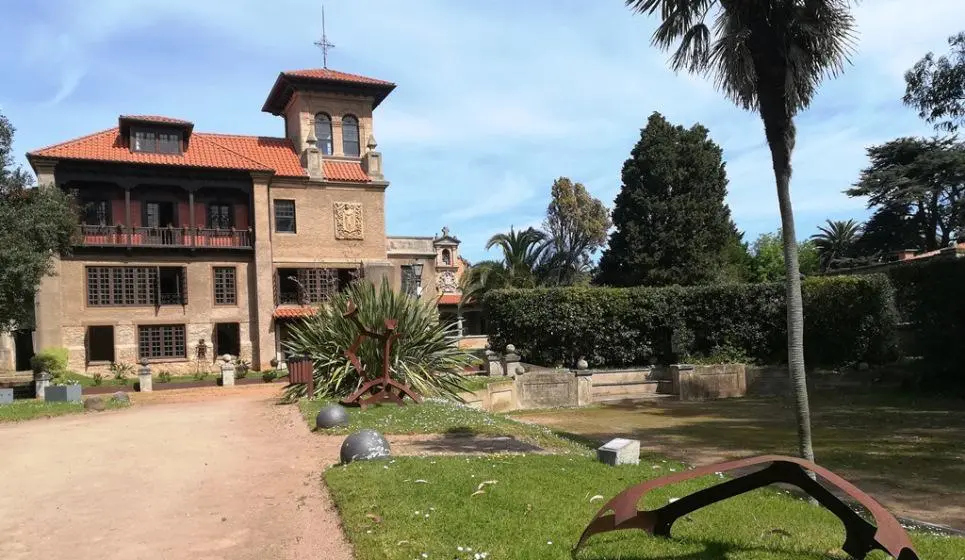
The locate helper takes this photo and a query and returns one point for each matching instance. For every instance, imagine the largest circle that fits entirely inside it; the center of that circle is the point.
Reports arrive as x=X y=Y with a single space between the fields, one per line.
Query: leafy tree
x=35 y=223
x=738 y=261
x=767 y=258
x=672 y=225
x=892 y=227
x=923 y=179
x=768 y=56
x=937 y=87
x=576 y=225
x=836 y=241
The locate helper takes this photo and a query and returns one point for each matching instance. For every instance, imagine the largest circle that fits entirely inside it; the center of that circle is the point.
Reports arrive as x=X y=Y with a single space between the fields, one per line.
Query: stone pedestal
x=41 y=382
x=494 y=366
x=144 y=379
x=619 y=451
x=510 y=362
x=227 y=371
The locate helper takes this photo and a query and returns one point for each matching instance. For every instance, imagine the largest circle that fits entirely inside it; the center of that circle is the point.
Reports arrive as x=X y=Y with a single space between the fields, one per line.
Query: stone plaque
x=348 y=220
x=446 y=283
x=619 y=451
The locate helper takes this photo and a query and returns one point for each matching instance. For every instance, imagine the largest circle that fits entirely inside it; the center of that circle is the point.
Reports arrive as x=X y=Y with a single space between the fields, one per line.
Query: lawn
x=536 y=506
x=438 y=416
x=477 y=382
x=909 y=452
x=28 y=409
x=110 y=381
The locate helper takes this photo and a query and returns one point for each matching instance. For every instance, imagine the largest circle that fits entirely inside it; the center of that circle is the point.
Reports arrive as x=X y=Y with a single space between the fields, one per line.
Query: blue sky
x=495 y=99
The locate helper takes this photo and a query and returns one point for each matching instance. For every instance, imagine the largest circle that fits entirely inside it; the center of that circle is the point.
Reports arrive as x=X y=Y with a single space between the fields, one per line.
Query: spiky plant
x=424 y=356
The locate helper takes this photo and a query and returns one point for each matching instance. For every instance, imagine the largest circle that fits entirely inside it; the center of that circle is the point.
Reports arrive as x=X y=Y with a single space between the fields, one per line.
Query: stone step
x=619 y=377
x=630 y=390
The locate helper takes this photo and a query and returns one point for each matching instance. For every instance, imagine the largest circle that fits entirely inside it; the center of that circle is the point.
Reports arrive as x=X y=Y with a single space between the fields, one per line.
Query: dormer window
x=156 y=141
x=323 y=133
x=350 y=136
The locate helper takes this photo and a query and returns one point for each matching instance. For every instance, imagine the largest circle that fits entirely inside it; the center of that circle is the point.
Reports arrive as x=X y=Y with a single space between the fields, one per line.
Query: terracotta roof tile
x=348 y=171
x=449 y=299
x=293 y=312
x=207 y=150
x=335 y=75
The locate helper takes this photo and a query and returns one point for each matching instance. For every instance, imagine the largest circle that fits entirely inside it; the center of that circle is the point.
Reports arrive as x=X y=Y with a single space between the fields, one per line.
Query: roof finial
x=323 y=42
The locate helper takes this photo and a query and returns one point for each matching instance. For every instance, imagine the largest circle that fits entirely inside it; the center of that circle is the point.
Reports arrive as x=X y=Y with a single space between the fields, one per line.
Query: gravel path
x=210 y=474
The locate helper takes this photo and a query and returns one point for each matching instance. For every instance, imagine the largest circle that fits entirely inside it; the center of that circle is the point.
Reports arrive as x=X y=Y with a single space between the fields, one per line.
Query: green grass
x=539 y=505
x=477 y=382
x=31 y=409
x=437 y=416
x=109 y=381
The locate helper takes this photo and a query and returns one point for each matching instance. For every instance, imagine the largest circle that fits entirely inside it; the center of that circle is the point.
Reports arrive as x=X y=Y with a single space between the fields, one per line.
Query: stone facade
x=339 y=226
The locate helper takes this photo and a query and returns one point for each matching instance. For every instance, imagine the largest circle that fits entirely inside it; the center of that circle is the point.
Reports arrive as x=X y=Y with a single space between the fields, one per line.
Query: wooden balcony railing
x=120 y=236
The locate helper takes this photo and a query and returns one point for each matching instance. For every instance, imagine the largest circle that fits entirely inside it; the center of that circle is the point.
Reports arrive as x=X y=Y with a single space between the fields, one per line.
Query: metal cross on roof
x=323 y=43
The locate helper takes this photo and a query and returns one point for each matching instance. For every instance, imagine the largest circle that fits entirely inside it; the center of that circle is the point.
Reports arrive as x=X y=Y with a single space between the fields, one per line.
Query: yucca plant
x=424 y=356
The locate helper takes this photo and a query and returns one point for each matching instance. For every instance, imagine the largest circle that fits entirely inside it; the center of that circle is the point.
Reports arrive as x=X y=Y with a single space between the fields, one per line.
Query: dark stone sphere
x=364 y=445
x=330 y=416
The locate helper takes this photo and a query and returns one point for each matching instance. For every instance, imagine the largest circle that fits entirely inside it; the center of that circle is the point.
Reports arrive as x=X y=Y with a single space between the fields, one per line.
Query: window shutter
x=184 y=285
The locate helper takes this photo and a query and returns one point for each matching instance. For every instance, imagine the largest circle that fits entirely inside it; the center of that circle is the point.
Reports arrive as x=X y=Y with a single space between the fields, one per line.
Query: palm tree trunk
x=780 y=138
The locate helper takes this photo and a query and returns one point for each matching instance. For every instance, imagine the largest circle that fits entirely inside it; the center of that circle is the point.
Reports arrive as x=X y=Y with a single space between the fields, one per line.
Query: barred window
x=285 y=216
x=225 y=286
x=136 y=285
x=161 y=341
x=318 y=284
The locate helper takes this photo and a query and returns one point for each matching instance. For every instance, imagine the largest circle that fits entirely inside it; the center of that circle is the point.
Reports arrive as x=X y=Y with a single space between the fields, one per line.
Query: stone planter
x=62 y=393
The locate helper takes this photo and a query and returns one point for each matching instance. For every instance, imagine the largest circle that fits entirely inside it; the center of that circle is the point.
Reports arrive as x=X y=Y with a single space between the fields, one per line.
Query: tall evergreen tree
x=672 y=225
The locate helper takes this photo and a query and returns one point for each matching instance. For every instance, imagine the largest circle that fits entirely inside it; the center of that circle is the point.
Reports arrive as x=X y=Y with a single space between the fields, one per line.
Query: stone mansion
x=195 y=242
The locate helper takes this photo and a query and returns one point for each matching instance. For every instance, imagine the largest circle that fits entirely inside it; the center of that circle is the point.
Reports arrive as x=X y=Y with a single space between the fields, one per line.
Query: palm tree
x=768 y=56
x=521 y=255
x=836 y=240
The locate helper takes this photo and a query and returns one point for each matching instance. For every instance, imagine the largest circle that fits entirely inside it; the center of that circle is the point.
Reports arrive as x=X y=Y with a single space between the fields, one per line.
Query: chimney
x=311 y=157
x=372 y=161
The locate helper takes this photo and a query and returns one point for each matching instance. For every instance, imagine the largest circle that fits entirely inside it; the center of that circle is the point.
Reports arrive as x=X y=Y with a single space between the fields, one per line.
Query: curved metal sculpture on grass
x=383 y=388
x=861 y=536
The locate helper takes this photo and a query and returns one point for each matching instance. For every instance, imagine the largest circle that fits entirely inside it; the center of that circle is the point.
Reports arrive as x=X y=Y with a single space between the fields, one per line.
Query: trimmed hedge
x=930 y=298
x=847 y=320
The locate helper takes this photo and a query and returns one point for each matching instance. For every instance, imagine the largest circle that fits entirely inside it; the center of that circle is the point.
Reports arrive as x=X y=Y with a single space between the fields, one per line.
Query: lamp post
x=417 y=272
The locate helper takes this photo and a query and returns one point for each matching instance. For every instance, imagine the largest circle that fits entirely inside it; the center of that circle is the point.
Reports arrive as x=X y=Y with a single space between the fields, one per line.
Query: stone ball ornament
x=364 y=445
x=330 y=416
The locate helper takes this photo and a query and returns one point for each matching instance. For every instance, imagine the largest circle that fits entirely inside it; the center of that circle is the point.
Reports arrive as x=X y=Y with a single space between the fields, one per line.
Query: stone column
x=41 y=382
x=144 y=379
x=227 y=371
x=48 y=317
x=262 y=323
x=510 y=362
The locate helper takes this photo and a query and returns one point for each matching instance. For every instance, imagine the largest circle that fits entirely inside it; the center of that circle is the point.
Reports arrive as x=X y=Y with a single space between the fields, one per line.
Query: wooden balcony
x=166 y=237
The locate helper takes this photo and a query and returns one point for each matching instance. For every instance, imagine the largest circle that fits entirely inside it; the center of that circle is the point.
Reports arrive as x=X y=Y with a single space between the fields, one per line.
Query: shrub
x=121 y=371
x=269 y=376
x=847 y=319
x=929 y=295
x=200 y=375
x=50 y=360
x=423 y=356
x=164 y=377
x=98 y=379
x=241 y=368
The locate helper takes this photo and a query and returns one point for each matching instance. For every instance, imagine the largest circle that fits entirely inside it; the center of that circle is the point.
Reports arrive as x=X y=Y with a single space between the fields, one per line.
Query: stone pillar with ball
x=227 y=371
x=144 y=380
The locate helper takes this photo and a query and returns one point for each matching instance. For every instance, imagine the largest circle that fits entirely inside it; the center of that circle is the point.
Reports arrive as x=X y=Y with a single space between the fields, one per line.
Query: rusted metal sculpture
x=861 y=536
x=383 y=388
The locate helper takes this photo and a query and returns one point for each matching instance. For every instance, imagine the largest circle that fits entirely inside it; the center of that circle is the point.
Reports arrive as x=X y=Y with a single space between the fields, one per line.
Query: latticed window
x=410 y=282
x=161 y=341
x=225 y=286
x=136 y=285
x=317 y=284
x=285 y=216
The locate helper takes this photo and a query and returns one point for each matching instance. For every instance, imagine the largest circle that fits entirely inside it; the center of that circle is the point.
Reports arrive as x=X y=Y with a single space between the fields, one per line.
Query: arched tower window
x=350 y=136
x=446 y=257
x=323 y=132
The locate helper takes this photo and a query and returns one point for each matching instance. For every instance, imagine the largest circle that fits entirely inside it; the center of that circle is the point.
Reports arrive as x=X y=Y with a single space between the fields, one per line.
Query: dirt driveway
x=225 y=475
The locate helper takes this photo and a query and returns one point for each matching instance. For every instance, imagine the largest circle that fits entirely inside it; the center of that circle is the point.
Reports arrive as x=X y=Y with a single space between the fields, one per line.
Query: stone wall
x=767 y=381
x=549 y=389
x=691 y=383
x=495 y=397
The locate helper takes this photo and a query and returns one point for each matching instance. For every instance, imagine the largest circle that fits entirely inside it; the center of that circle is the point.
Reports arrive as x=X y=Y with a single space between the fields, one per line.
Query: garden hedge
x=929 y=295
x=847 y=319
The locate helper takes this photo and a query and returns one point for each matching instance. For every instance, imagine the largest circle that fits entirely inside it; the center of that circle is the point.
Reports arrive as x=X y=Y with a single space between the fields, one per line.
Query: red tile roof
x=293 y=312
x=334 y=75
x=449 y=299
x=206 y=150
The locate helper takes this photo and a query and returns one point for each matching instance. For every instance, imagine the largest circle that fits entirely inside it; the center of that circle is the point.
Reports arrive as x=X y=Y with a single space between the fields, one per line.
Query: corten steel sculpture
x=861 y=536
x=383 y=388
